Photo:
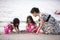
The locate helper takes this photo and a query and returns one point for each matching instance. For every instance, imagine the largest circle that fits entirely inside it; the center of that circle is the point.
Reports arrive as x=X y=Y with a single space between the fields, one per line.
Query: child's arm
x=11 y=28
x=17 y=30
x=26 y=25
x=14 y=28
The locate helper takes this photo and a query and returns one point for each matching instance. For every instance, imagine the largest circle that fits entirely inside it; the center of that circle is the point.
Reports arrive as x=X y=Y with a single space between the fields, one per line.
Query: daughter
x=31 y=25
x=11 y=26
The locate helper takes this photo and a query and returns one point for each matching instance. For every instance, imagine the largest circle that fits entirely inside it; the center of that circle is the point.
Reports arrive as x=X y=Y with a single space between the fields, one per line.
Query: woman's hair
x=15 y=21
x=34 y=9
x=32 y=21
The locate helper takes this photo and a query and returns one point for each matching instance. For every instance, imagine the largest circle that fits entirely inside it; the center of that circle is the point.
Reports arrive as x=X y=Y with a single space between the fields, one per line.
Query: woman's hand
x=38 y=31
x=40 y=27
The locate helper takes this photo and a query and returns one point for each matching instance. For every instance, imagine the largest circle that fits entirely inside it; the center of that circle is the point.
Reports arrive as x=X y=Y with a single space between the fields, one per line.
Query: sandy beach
x=28 y=36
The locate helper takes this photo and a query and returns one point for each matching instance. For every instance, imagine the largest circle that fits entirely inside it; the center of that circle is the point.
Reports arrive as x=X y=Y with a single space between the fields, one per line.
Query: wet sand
x=28 y=36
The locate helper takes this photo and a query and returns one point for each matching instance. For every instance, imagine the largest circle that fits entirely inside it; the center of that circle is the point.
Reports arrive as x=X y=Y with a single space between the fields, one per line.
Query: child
x=11 y=26
x=16 y=23
x=31 y=25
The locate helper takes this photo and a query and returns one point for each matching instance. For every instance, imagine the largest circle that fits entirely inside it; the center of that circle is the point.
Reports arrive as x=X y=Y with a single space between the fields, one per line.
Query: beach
x=28 y=36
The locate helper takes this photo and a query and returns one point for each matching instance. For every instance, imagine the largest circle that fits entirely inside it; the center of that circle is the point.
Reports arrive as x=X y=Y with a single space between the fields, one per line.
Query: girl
x=31 y=25
x=16 y=23
x=11 y=26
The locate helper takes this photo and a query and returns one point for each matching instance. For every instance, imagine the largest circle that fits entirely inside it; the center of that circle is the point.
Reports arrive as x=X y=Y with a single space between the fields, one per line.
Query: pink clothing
x=7 y=28
x=29 y=27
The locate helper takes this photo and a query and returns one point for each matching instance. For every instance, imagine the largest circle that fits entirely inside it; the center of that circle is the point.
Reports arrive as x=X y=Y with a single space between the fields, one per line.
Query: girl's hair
x=32 y=21
x=15 y=21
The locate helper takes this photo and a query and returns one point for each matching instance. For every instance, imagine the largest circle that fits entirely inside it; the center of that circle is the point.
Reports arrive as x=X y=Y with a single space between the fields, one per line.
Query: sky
x=10 y=9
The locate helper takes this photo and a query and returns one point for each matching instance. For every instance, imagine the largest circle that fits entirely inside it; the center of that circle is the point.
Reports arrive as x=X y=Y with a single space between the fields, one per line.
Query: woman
x=47 y=23
x=35 y=12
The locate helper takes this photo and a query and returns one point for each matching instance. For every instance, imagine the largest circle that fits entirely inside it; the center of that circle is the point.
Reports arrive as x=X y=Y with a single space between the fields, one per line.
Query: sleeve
x=40 y=17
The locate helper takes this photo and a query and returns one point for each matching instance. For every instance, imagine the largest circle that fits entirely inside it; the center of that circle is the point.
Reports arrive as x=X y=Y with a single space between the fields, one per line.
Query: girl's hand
x=17 y=31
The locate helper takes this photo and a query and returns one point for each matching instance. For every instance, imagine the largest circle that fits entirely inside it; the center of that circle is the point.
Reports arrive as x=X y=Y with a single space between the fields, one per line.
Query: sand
x=28 y=36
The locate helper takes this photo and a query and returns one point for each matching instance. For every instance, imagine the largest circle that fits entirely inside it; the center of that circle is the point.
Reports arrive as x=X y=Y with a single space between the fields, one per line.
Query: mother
x=35 y=12
x=48 y=23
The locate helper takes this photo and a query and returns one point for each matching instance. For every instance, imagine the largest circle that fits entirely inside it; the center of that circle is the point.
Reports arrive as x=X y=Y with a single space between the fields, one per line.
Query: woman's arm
x=41 y=23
